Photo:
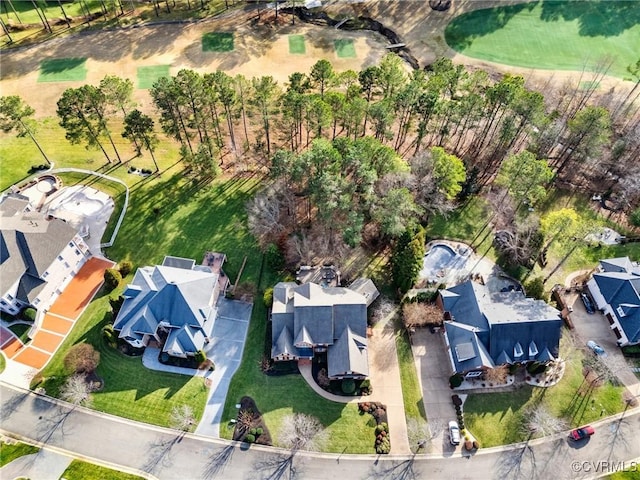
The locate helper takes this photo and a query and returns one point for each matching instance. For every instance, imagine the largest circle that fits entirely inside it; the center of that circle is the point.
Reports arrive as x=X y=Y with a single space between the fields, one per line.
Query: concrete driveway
x=432 y=364
x=225 y=349
x=595 y=327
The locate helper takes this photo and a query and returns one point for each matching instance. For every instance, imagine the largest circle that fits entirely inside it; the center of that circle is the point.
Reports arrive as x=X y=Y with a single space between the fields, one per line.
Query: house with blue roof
x=615 y=288
x=173 y=304
x=311 y=319
x=485 y=329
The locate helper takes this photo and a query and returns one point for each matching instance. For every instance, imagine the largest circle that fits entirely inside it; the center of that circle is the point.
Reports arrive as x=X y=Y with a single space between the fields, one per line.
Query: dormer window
x=517 y=350
x=620 y=311
x=533 y=350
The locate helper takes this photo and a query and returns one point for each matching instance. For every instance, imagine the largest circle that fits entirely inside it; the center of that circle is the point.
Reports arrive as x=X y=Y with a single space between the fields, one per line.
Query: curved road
x=165 y=454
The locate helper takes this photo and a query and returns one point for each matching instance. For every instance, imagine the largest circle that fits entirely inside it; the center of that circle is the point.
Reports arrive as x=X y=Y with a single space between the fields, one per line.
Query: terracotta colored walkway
x=59 y=321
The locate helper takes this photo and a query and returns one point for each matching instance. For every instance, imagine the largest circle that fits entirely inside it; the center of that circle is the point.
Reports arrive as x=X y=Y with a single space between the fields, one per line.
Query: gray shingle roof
x=502 y=327
x=179 y=299
x=348 y=356
x=619 y=285
x=29 y=244
x=311 y=314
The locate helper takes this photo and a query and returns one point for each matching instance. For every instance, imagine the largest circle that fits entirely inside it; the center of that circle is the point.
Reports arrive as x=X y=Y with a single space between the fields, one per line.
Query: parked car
x=588 y=303
x=454 y=433
x=581 y=433
x=597 y=349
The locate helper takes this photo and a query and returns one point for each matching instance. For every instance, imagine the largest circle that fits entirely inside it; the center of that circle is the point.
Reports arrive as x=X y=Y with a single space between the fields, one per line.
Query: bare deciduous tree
x=421 y=314
x=541 y=422
x=264 y=213
x=182 y=417
x=302 y=432
x=76 y=390
x=384 y=310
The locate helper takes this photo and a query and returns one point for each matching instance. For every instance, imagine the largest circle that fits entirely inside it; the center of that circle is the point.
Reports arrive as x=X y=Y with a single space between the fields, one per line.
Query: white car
x=454 y=433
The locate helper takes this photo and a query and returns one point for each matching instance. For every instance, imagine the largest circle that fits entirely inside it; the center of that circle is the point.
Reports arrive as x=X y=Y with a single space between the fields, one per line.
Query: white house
x=38 y=256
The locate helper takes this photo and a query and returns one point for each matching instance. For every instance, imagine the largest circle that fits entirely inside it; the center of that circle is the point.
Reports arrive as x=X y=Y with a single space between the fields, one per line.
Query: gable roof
x=176 y=298
x=335 y=317
x=619 y=287
x=348 y=355
x=29 y=244
x=495 y=328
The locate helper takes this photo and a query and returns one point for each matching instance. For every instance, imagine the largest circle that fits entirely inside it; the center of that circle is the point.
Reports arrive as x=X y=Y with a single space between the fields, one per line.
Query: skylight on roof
x=465 y=351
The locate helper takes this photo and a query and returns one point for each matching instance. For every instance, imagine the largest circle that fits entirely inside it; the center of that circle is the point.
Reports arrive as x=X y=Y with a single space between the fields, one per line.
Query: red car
x=582 y=432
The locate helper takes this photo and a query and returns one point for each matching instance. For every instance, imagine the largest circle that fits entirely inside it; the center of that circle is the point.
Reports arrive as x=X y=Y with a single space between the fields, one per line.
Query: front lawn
x=10 y=451
x=500 y=418
x=79 y=470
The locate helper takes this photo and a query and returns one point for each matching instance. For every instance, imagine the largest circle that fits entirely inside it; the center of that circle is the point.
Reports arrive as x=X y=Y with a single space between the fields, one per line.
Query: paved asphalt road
x=166 y=455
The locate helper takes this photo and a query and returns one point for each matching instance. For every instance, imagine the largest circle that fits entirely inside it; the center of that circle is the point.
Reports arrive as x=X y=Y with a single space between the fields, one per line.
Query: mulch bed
x=249 y=405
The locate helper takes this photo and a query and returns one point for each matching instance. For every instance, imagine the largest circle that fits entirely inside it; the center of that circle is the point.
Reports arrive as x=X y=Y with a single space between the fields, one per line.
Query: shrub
x=535 y=289
x=109 y=335
x=634 y=218
x=29 y=314
x=82 y=358
x=381 y=428
x=267 y=297
x=200 y=356
x=323 y=379
x=116 y=304
x=455 y=380
x=259 y=431
x=348 y=386
x=164 y=357
x=125 y=267
x=365 y=387
x=457 y=401
x=253 y=431
x=112 y=278
x=249 y=438
x=274 y=257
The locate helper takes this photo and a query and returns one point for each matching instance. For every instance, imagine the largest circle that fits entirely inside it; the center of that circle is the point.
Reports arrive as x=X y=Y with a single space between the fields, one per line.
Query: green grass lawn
x=149 y=75
x=20 y=330
x=3 y=362
x=296 y=45
x=411 y=391
x=63 y=70
x=498 y=418
x=9 y=453
x=79 y=470
x=217 y=42
x=551 y=35
x=345 y=48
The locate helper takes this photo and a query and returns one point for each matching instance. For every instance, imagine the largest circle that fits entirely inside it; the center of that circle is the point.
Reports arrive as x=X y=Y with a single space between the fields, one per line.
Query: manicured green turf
x=3 y=362
x=147 y=76
x=20 y=330
x=79 y=470
x=63 y=70
x=344 y=48
x=551 y=35
x=498 y=418
x=26 y=13
x=411 y=391
x=217 y=42
x=9 y=453
x=296 y=44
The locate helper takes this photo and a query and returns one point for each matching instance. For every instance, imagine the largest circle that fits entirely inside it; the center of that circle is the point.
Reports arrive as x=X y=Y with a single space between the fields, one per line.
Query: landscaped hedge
x=379 y=412
x=455 y=380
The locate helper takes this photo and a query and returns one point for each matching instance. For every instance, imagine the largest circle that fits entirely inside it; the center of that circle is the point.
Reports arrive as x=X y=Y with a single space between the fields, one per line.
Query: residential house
x=615 y=287
x=173 y=304
x=310 y=319
x=38 y=256
x=485 y=330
